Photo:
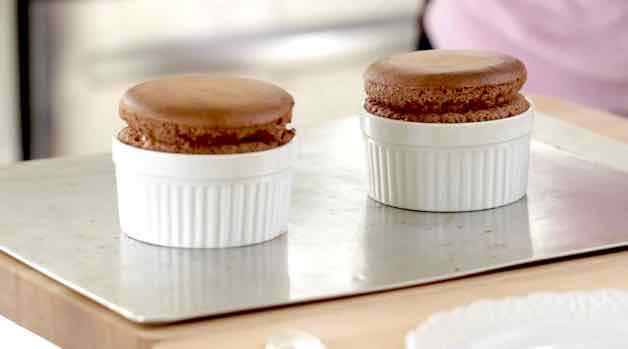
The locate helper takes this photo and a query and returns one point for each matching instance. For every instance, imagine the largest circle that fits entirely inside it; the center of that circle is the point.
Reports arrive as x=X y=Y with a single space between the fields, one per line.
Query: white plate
x=577 y=320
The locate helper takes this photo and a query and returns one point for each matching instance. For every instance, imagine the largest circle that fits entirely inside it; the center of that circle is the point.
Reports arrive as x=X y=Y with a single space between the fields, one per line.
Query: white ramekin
x=447 y=167
x=188 y=200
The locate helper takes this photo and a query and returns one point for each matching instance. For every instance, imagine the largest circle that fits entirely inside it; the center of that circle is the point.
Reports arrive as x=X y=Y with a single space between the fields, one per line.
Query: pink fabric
x=574 y=49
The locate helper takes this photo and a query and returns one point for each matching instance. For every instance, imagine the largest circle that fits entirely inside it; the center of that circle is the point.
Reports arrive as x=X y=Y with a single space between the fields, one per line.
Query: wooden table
x=372 y=321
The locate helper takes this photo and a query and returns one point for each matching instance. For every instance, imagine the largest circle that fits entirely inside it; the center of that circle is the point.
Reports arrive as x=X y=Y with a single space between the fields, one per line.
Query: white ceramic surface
x=447 y=167
x=293 y=339
x=579 y=320
x=186 y=200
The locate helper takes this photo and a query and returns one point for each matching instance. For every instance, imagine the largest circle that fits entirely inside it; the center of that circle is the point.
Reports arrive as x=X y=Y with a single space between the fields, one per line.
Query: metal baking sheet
x=59 y=217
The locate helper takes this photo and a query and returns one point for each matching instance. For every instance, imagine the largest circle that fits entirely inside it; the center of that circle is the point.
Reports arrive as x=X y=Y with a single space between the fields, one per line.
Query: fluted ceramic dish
x=191 y=200
x=447 y=167
x=579 y=320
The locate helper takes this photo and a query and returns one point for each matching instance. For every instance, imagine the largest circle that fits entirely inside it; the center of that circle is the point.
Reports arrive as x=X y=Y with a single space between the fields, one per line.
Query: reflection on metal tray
x=59 y=216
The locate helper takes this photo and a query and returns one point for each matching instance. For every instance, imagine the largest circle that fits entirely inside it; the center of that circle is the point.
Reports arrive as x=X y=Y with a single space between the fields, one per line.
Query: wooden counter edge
x=600 y=122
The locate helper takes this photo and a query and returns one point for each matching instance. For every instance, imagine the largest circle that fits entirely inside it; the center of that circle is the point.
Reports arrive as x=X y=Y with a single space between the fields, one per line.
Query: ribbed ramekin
x=189 y=200
x=447 y=167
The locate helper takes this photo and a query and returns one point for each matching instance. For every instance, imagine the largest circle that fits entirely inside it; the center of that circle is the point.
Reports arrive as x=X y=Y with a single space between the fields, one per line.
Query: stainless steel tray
x=59 y=217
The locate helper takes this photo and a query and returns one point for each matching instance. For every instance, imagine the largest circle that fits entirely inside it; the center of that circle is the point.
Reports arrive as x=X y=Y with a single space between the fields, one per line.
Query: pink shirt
x=574 y=49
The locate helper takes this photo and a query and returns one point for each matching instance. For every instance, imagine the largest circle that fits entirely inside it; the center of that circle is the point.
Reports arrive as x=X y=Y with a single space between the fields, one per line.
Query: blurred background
x=74 y=59
x=65 y=63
